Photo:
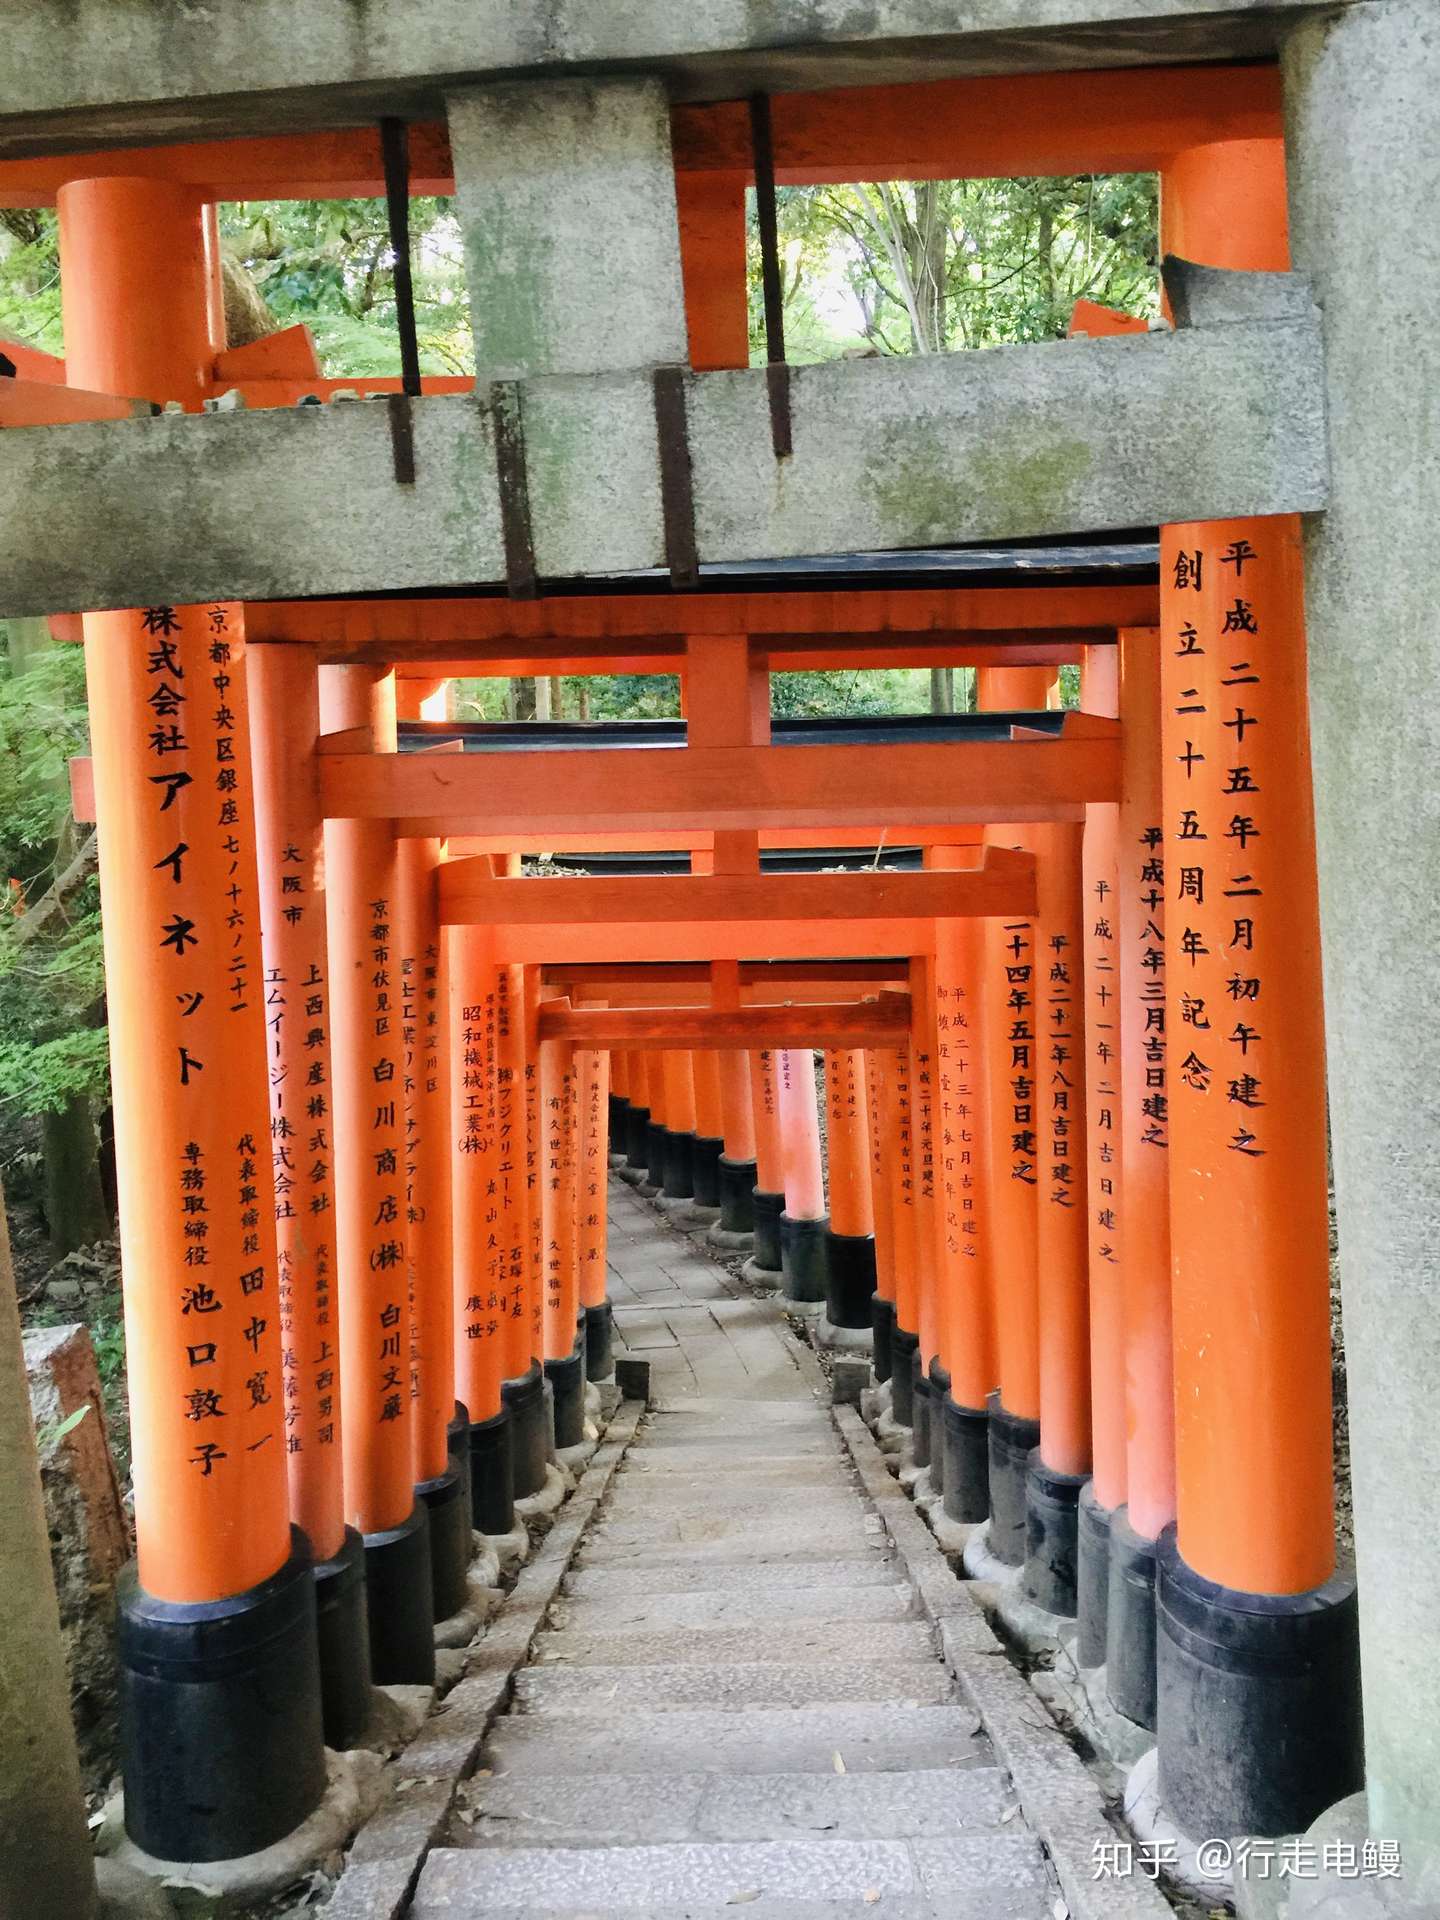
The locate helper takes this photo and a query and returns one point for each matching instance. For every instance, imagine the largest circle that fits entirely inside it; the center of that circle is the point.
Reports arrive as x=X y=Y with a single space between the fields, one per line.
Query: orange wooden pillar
x=484 y=1294
x=559 y=1178
x=285 y=725
x=1145 y=1157
x=656 y=1129
x=637 y=1120
x=850 y=1236
x=1252 y=1566
x=803 y=1223
x=737 y=1173
x=1013 y=1065
x=931 y=1379
x=522 y=1302
x=677 y=1189
x=440 y=1454
x=1105 y=1492
x=768 y=1201
x=709 y=1143
x=594 y=1182
x=900 y=1162
x=618 y=1101
x=184 y=980
x=368 y=1065
x=960 y=1435
x=882 y=1303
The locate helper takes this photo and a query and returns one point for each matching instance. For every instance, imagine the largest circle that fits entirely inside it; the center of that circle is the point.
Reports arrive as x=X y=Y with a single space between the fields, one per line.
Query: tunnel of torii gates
x=369 y=1079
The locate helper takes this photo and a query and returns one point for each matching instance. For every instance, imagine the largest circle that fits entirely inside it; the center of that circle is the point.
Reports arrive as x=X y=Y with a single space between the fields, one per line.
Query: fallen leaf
x=1009 y=1814
x=839 y=1764
x=872 y=1894
x=743 y=1899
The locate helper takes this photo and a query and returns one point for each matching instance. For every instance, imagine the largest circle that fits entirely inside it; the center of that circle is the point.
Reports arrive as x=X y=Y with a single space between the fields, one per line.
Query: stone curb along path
x=389 y=1851
x=1060 y=1799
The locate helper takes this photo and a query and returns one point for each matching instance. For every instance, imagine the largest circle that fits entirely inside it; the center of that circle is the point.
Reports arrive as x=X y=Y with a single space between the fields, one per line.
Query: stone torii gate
x=621 y=433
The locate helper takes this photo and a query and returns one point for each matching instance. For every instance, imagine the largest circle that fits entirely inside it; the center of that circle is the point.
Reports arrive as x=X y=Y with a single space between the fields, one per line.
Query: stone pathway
x=737 y=1702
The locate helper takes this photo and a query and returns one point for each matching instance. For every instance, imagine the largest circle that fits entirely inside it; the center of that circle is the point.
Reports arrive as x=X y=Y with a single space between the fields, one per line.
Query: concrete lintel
x=85 y=73
x=1071 y=437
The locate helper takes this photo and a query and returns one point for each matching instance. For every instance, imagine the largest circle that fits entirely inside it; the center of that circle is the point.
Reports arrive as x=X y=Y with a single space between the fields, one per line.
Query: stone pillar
x=289 y=837
x=220 y=1685
x=1362 y=96
x=1104 y=1493
x=45 y=1856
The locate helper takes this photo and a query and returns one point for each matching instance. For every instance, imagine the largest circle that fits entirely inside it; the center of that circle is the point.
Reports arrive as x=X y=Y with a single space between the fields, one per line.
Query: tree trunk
x=45 y=1860
x=942 y=690
x=542 y=698
x=520 y=697
x=74 y=1198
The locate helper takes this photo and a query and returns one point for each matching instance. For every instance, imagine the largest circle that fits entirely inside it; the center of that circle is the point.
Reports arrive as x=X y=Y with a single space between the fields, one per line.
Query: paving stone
x=867 y=1739
x=797 y=1643
x=519 y=1810
x=767 y=1550
x=727 y=1688
x=823 y=1519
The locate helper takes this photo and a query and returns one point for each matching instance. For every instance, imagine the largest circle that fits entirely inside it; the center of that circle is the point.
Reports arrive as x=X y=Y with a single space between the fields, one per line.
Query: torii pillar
x=1258 y=1711
x=219 y=1671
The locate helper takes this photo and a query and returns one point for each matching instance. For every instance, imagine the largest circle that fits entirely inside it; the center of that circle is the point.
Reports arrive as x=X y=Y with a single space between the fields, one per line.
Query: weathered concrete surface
x=1363 y=97
x=566 y=200
x=1069 y=437
x=86 y=72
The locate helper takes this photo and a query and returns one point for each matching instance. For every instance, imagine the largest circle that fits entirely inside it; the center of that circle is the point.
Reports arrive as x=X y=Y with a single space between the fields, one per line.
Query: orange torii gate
x=133 y=221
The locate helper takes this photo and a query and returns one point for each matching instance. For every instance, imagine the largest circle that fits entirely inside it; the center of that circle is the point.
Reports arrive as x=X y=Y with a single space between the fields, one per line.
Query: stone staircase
x=737 y=1704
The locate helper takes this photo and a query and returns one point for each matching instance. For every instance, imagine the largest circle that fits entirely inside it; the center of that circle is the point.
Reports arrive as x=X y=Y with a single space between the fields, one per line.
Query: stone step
x=737 y=1469
x=461 y=1882
x=795 y=1643
x=728 y=1687
x=516 y=1810
x=820 y=1521
x=863 y=1739
x=759 y=1610
x=1020 y=1904
x=627 y=1575
x=700 y=1406
x=639 y=1494
x=755 y=1549
x=757 y=1443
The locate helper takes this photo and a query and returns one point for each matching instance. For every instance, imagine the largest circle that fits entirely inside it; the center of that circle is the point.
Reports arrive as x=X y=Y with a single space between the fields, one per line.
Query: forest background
x=896 y=268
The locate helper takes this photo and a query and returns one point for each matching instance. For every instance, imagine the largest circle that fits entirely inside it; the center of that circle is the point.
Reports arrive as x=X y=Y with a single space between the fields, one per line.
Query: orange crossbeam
x=698 y=840
x=1115 y=121
x=563 y=793
x=862 y=1023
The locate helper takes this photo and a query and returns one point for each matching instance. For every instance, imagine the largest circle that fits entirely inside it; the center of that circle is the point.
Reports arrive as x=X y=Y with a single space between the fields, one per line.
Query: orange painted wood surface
x=869 y=1023
x=725 y=787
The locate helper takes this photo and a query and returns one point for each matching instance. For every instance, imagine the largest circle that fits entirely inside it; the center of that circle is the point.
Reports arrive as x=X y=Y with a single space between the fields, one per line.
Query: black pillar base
x=457 y=1443
x=1012 y=1441
x=1092 y=1577
x=492 y=1474
x=965 y=1440
x=849 y=1279
x=567 y=1386
x=400 y=1592
x=737 y=1189
x=903 y=1350
x=1258 y=1701
x=705 y=1152
x=882 y=1333
x=935 y=1414
x=1130 y=1623
x=635 y=1137
x=767 y=1209
x=802 y=1257
x=452 y=1546
x=599 y=1341
x=343 y=1636
x=529 y=1430
x=656 y=1137
x=1052 y=1526
x=221 y=1725
x=921 y=1394
x=679 y=1164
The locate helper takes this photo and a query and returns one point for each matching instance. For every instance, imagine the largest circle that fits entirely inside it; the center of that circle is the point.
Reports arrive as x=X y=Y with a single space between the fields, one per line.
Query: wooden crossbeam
x=557 y=794
x=862 y=1023
x=797 y=980
x=698 y=840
